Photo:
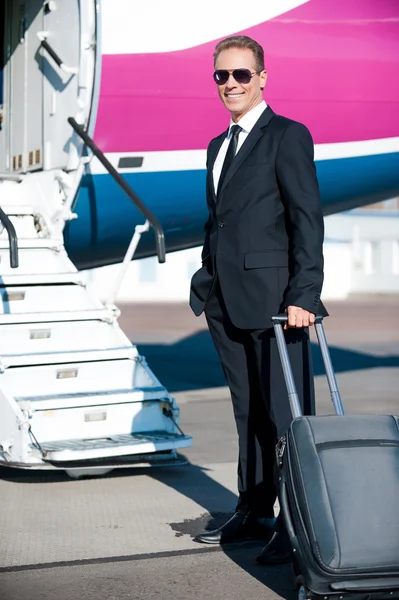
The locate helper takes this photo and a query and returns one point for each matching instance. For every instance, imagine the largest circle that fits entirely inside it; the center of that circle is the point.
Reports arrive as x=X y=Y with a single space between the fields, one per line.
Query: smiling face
x=240 y=98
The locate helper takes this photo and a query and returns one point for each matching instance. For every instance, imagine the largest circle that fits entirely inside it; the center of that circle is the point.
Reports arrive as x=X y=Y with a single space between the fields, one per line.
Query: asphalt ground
x=129 y=534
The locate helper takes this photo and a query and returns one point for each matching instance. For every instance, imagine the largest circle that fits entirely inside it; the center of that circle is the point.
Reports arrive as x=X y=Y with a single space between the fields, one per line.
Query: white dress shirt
x=247 y=123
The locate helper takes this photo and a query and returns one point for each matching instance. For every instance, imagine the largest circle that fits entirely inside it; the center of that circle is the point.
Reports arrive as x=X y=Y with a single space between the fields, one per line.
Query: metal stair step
x=14 y=195
x=28 y=236
x=43 y=299
x=11 y=177
x=14 y=278
x=119 y=445
x=80 y=418
x=17 y=209
x=42 y=341
x=35 y=262
x=92 y=399
x=32 y=243
x=54 y=358
x=24 y=226
x=71 y=378
x=103 y=314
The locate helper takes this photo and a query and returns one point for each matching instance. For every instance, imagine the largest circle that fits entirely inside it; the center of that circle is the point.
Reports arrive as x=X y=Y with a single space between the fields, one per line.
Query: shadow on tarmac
x=192 y=363
x=208 y=493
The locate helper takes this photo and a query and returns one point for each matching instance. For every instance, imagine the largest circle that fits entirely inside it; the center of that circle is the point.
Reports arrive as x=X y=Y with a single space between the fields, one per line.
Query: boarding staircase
x=75 y=393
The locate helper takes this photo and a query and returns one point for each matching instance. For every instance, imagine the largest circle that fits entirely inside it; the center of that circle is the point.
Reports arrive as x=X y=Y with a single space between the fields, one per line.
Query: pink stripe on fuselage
x=332 y=65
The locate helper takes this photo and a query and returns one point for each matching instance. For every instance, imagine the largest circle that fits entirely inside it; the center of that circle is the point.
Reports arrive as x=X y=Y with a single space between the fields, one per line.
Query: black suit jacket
x=264 y=234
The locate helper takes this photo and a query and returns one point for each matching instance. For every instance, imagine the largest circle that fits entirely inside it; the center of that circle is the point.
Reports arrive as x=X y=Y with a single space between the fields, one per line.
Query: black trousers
x=253 y=371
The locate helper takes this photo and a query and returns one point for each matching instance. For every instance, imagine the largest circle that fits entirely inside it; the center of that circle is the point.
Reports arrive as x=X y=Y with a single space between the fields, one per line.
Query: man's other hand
x=299 y=317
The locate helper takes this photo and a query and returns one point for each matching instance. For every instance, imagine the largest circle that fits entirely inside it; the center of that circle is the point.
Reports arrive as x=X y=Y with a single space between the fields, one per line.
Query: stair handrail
x=12 y=237
x=145 y=211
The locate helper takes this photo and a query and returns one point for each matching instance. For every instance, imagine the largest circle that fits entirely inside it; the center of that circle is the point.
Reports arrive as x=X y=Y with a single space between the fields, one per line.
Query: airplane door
x=25 y=113
x=50 y=74
x=61 y=83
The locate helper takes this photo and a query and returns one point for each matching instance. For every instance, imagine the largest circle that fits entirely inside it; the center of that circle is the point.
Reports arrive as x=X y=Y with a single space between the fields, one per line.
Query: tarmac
x=129 y=534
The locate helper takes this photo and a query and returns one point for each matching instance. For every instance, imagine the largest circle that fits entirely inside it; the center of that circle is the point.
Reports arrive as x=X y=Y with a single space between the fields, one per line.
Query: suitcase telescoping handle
x=280 y=320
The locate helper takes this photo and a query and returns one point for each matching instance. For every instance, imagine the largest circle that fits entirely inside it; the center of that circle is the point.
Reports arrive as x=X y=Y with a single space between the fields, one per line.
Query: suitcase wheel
x=303 y=593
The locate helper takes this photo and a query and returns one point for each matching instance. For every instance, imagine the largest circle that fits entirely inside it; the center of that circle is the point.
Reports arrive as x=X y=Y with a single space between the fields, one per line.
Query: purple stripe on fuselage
x=333 y=65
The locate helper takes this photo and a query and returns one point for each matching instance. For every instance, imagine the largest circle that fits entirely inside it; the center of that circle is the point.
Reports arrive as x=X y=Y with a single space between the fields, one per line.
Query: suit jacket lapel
x=254 y=135
x=213 y=152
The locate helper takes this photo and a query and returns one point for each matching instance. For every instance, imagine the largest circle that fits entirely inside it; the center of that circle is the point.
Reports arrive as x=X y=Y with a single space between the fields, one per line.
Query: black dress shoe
x=243 y=525
x=277 y=551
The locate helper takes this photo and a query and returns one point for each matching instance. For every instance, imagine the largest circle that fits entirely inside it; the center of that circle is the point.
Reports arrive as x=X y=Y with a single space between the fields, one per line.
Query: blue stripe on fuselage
x=106 y=216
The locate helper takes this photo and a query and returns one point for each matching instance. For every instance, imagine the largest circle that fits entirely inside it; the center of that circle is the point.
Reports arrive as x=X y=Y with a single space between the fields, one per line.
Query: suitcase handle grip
x=278 y=321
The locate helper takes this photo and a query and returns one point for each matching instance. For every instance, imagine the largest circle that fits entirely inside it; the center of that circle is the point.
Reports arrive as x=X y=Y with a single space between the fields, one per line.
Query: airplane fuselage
x=332 y=65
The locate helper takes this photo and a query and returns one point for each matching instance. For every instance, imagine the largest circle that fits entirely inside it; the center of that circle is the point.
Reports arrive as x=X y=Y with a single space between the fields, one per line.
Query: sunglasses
x=221 y=76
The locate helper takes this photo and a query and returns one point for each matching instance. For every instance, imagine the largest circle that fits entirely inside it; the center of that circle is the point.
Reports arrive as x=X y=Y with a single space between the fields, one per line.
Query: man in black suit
x=262 y=255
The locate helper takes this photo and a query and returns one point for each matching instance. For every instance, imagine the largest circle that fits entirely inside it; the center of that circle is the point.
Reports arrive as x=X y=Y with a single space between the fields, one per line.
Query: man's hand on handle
x=299 y=317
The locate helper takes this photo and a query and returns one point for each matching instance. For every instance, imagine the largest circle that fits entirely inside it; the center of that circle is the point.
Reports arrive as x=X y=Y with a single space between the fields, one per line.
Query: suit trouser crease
x=253 y=371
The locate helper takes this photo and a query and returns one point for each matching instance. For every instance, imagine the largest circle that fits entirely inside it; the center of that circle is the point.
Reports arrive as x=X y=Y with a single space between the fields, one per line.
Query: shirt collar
x=248 y=121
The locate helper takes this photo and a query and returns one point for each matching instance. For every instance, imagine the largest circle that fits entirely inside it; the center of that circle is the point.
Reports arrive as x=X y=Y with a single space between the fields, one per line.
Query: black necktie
x=230 y=154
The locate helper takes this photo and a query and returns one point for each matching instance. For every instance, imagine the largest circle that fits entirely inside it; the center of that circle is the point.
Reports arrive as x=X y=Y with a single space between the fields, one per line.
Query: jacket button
x=221 y=224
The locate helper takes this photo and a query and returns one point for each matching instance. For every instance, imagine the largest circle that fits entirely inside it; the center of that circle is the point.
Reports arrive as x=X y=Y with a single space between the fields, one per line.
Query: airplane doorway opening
x=23 y=114
x=49 y=69
x=2 y=53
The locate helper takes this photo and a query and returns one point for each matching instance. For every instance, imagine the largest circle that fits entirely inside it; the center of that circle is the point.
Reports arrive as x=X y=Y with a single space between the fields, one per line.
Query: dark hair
x=244 y=42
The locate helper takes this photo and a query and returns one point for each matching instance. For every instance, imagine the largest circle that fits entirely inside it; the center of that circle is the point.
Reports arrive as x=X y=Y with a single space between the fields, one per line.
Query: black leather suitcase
x=339 y=494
